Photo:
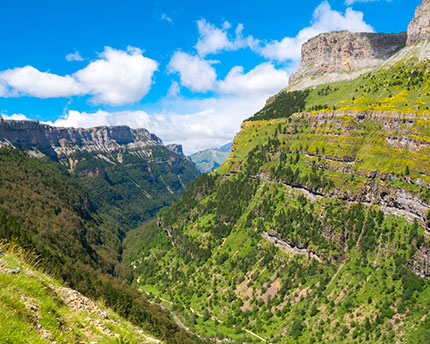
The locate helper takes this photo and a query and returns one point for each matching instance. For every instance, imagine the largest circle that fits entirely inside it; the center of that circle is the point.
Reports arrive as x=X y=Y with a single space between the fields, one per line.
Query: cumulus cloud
x=213 y=39
x=115 y=78
x=263 y=79
x=118 y=77
x=15 y=117
x=213 y=122
x=325 y=19
x=204 y=123
x=195 y=73
x=30 y=81
x=76 y=56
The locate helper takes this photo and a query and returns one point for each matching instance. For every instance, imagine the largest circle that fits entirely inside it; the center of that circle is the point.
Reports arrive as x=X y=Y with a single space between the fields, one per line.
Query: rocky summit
x=343 y=55
x=59 y=143
x=419 y=28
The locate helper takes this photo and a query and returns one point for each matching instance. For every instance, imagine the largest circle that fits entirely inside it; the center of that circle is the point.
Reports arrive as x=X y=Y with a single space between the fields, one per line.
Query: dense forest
x=46 y=211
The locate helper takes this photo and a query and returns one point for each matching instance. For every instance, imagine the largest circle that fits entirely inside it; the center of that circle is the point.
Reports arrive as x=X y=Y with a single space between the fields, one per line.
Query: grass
x=37 y=309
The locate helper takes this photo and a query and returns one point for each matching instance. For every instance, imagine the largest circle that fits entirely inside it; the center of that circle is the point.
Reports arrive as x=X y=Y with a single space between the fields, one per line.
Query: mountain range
x=314 y=230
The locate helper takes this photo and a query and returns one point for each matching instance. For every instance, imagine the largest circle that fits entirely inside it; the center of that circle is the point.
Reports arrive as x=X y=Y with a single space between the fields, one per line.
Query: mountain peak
x=419 y=28
x=60 y=142
x=328 y=56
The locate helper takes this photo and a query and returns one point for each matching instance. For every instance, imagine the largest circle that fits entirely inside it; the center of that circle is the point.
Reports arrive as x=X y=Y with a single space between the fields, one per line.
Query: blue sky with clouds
x=189 y=71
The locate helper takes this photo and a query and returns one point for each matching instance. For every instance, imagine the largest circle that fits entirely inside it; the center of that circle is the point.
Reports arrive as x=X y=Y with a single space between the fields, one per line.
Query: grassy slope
x=207 y=260
x=37 y=309
x=44 y=210
x=403 y=87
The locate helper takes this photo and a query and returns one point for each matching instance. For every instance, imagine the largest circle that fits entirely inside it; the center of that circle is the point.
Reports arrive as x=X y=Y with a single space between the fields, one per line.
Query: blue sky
x=189 y=71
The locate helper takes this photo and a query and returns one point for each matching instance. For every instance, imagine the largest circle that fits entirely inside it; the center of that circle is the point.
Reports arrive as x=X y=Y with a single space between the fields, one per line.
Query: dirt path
x=335 y=275
x=256 y=335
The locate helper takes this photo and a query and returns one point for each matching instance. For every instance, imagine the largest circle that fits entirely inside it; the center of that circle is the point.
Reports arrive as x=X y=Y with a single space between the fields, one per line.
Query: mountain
x=68 y=196
x=129 y=173
x=226 y=148
x=46 y=211
x=209 y=159
x=316 y=229
x=343 y=55
x=38 y=309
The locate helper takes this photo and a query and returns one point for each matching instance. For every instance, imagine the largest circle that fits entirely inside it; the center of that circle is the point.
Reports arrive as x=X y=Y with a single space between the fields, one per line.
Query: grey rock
x=419 y=28
x=175 y=148
x=13 y=271
x=343 y=51
x=61 y=144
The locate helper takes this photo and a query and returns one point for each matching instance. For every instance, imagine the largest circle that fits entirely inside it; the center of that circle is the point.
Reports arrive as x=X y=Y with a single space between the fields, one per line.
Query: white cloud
x=213 y=39
x=213 y=123
x=15 y=117
x=165 y=17
x=325 y=19
x=116 y=78
x=263 y=79
x=76 y=56
x=350 y=2
x=30 y=81
x=195 y=73
x=174 y=89
x=203 y=123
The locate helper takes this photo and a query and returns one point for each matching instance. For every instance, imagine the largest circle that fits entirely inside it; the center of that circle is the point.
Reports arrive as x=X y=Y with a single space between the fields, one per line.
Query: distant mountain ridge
x=129 y=172
x=209 y=159
x=59 y=143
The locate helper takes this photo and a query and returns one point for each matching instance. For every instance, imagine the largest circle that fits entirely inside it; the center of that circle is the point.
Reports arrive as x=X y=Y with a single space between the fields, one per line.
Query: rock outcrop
x=175 y=148
x=419 y=28
x=60 y=143
x=344 y=53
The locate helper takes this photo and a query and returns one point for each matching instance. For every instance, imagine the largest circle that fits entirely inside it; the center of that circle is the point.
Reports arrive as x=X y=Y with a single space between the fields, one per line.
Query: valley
x=313 y=226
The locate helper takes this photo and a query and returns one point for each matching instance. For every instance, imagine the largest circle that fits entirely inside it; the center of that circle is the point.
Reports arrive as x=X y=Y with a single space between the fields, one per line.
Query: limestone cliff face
x=64 y=143
x=419 y=28
x=175 y=148
x=344 y=52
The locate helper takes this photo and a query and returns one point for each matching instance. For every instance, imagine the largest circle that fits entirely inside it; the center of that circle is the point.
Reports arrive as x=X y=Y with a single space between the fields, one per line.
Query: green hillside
x=128 y=188
x=402 y=87
x=38 y=309
x=314 y=230
x=44 y=210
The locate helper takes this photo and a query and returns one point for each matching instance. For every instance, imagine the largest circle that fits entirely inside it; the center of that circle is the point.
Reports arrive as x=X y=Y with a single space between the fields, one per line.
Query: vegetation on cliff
x=44 y=210
x=403 y=87
x=314 y=230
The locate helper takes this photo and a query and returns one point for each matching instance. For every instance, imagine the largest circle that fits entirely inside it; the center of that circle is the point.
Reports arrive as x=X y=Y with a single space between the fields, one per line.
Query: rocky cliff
x=60 y=143
x=343 y=55
x=128 y=172
x=419 y=28
x=175 y=148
